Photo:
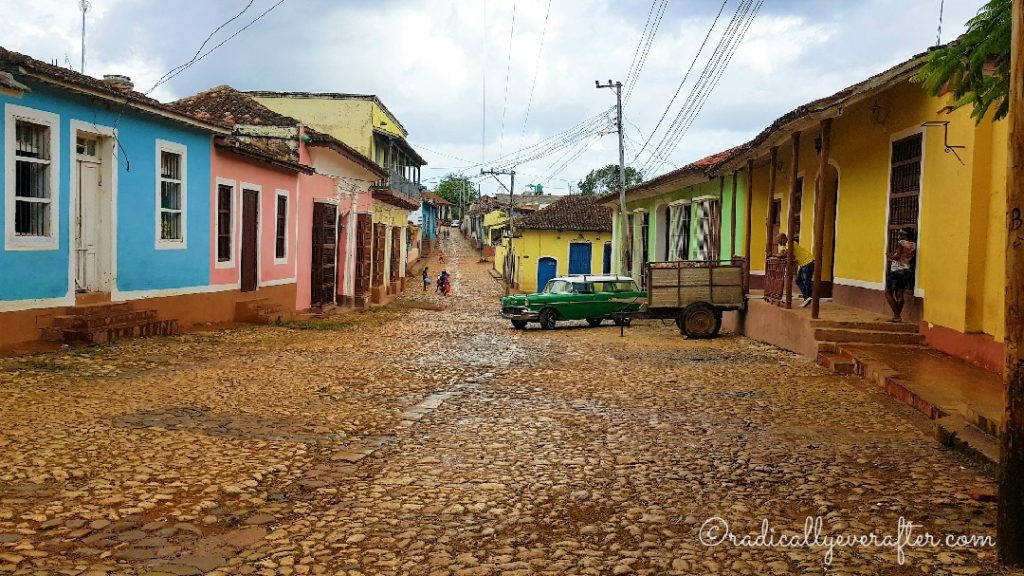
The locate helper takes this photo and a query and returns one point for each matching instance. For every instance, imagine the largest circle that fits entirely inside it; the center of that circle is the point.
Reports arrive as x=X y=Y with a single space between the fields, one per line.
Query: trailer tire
x=519 y=324
x=701 y=320
x=623 y=321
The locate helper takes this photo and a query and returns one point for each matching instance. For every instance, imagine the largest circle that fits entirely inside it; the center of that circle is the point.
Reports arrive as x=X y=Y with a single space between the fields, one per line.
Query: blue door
x=579 y=258
x=547 y=268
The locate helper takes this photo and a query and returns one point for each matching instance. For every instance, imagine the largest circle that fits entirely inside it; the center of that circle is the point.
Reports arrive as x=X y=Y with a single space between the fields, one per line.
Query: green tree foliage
x=453 y=186
x=975 y=67
x=606 y=179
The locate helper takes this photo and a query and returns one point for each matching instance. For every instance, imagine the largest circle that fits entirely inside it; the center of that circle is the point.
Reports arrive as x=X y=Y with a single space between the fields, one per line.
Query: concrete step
x=115 y=332
x=874 y=326
x=958 y=434
x=859 y=336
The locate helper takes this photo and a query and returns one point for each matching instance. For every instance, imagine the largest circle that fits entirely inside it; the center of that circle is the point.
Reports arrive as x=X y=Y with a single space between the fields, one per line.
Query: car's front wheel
x=548 y=317
x=519 y=324
x=594 y=321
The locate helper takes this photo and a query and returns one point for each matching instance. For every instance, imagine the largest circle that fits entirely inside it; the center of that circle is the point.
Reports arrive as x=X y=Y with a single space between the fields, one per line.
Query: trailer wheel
x=519 y=324
x=701 y=320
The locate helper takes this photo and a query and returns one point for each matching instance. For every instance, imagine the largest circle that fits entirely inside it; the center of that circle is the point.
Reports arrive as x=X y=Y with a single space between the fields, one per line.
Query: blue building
x=433 y=211
x=106 y=196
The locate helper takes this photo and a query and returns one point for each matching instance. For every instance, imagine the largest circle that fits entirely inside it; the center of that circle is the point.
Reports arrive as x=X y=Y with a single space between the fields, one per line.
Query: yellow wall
x=536 y=244
x=350 y=121
x=960 y=255
x=382 y=120
x=390 y=215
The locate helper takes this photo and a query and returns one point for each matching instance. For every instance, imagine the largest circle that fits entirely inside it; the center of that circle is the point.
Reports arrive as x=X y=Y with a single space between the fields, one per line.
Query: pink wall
x=239 y=172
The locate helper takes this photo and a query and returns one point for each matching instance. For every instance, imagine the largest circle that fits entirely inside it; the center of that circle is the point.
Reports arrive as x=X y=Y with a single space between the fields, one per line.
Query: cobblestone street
x=429 y=437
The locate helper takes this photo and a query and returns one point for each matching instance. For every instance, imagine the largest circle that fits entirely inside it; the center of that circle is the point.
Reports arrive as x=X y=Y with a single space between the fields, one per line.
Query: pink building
x=285 y=204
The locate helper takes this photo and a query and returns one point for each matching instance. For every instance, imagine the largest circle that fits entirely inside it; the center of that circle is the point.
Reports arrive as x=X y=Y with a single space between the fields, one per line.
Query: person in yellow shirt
x=805 y=266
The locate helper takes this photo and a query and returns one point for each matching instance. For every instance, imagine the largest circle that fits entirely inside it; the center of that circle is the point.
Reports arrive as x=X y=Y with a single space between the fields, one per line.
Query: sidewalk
x=966 y=402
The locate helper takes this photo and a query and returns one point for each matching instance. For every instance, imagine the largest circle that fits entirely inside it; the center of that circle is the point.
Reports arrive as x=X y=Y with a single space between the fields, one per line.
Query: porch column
x=793 y=175
x=732 y=217
x=819 y=214
x=772 y=161
x=721 y=207
x=748 y=188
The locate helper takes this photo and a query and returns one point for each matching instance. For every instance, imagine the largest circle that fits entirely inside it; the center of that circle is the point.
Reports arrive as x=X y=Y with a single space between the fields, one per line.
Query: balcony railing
x=398 y=181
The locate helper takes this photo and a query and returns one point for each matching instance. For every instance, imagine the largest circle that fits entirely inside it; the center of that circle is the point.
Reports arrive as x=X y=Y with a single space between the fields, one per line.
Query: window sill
x=26 y=244
x=171 y=245
x=230 y=264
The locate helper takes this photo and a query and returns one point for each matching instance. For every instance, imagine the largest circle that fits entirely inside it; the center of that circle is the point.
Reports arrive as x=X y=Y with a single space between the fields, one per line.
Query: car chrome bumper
x=520 y=315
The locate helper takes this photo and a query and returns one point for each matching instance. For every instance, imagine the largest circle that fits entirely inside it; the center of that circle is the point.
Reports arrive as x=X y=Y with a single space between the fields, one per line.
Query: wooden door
x=323 y=273
x=379 y=237
x=249 y=261
x=364 y=253
x=396 y=253
x=579 y=258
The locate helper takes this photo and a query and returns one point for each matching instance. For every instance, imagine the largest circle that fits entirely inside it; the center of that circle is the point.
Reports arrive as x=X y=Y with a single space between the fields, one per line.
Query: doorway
x=93 y=224
x=547 y=268
x=579 y=257
x=325 y=252
x=250 y=247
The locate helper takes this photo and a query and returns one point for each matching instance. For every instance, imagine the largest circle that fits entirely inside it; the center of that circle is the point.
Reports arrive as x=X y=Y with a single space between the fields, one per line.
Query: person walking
x=805 y=266
x=426 y=278
x=900 y=276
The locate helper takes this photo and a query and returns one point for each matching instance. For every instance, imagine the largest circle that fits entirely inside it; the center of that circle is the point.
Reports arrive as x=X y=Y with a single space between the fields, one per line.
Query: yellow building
x=570 y=236
x=897 y=159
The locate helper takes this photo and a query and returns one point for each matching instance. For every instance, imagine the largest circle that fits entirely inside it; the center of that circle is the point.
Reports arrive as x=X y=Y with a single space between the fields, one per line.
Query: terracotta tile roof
x=21 y=65
x=435 y=199
x=228 y=106
x=569 y=213
x=702 y=168
x=274 y=153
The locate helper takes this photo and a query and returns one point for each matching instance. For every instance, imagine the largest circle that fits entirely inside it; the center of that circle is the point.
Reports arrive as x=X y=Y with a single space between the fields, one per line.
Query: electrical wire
x=536 y=69
x=683 y=81
x=508 y=76
x=630 y=85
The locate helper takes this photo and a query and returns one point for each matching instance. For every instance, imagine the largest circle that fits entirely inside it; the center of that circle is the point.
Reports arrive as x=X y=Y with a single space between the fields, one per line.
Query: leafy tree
x=606 y=179
x=453 y=186
x=975 y=67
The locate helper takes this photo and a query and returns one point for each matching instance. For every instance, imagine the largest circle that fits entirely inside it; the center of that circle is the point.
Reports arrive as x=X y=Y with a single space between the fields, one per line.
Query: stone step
x=836 y=363
x=115 y=332
x=958 y=434
x=83 y=322
x=98 y=309
x=848 y=335
x=874 y=326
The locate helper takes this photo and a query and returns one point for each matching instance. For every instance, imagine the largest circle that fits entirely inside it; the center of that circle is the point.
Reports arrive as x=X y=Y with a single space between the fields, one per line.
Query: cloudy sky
x=433 y=61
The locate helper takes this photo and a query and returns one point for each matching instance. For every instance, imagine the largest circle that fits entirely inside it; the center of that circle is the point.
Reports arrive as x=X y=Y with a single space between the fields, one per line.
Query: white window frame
x=232 y=261
x=287 y=226
x=181 y=150
x=12 y=241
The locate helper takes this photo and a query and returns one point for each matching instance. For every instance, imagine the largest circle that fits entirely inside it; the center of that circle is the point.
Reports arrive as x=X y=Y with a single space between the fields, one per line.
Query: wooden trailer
x=694 y=293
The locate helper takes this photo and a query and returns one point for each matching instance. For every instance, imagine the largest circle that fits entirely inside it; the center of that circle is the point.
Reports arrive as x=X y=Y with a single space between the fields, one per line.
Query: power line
x=646 y=50
x=483 y=92
x=508 y=75
x=640 y=43
x=536 y=69
x=683 y=81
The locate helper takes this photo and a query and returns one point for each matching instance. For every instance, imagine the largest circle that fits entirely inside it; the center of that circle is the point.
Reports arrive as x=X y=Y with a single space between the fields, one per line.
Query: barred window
x=281 y=229
x=32 y=173
x=225 y=205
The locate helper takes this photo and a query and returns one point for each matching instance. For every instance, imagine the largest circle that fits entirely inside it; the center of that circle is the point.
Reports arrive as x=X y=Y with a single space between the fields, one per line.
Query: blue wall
x=429 y=221
x=33 y=274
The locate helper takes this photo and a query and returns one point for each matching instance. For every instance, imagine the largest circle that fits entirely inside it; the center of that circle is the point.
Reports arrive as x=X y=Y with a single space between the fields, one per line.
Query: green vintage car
x=593 y=298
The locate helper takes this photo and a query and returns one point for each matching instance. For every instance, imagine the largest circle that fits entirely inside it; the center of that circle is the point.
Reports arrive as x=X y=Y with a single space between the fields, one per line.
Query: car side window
x=582 y=288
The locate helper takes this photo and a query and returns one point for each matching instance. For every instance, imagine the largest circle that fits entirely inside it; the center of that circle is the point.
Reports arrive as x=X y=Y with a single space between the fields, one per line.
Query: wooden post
x=773 y=160
x=732 y=217
x=1010 y=516
x=819 y=214
x=793 y=175
x=721 y=206
x=748 y=189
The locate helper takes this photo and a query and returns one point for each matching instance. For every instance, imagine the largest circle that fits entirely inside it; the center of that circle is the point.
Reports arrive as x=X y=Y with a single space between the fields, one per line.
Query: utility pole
x=626 y=232
x=506 y=274
x=1010 y=511
x=84 y=6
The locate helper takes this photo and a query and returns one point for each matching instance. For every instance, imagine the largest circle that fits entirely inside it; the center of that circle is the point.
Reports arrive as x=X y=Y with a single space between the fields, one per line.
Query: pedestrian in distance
x=805 y=266
x=439 y=289
x=900 y=276
x=426 y=278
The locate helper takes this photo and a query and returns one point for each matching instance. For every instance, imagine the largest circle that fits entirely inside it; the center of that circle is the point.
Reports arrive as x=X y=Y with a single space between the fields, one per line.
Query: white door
x=91 y=211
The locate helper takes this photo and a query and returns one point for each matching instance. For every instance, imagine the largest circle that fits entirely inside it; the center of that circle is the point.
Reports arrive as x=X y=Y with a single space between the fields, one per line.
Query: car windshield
x=558 y=287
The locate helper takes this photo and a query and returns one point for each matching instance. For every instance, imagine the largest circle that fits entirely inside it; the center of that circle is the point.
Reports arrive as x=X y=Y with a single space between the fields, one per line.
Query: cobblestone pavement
x=429 y=437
